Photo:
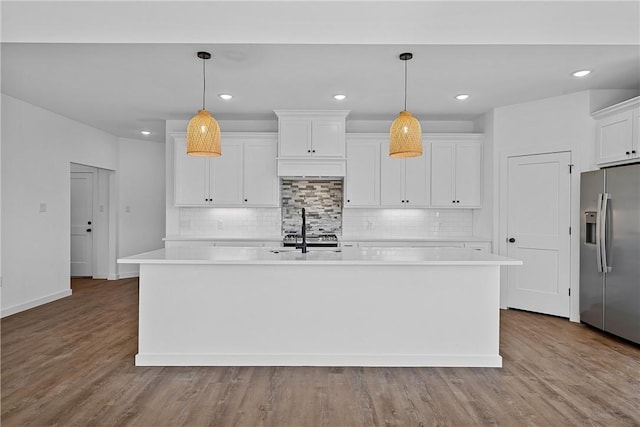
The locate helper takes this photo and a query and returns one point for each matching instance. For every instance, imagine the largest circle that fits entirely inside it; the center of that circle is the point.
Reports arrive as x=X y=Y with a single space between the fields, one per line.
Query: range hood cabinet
x=311 y=143
x=323 y=168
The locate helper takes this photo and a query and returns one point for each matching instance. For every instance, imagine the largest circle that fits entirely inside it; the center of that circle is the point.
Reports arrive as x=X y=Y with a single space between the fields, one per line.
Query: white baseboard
x=34 y=303
x=373 y=360
x=127 y=275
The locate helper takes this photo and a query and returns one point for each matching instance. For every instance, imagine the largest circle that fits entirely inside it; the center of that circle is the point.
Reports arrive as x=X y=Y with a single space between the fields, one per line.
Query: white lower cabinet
x=220 y=243
x=244 y=175
x=479 y=246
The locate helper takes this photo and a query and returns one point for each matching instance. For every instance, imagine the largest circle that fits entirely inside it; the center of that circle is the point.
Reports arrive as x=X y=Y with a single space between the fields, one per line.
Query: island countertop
x=319 y=256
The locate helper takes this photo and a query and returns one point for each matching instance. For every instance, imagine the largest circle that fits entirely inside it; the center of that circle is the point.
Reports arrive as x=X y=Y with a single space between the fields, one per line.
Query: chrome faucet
x=303 y=245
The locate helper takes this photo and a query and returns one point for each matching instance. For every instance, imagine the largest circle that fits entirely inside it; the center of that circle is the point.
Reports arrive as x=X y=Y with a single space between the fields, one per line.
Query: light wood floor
x=70 y=363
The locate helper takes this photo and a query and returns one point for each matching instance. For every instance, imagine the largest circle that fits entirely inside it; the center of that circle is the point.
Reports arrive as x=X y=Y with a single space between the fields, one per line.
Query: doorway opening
x=92 y=222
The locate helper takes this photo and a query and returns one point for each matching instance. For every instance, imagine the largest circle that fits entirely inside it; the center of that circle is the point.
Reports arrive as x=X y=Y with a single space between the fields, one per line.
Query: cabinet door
x=614 y=137
x=295 y=137
x=226 y=175
x=391 y=179
x=467 y=174
x=417 y=179
x=191 y=177
x=363 y=174
x=327 y=138
x=442 y=174
x=260 y=176
x=635 y=140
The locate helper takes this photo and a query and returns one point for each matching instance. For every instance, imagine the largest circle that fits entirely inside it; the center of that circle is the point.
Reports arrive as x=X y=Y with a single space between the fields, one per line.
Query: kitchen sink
x=282 y=250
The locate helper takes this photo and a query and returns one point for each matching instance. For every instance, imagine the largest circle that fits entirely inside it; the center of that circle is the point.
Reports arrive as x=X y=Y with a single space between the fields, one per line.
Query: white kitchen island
x=225 y=306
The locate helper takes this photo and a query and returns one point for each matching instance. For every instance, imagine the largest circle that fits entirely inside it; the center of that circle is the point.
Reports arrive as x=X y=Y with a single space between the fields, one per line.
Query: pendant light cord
x=204 y=81
x=405 y=85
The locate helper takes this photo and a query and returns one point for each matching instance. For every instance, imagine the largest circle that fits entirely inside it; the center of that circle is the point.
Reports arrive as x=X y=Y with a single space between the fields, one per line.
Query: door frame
x=104 y=222
x=500 y=224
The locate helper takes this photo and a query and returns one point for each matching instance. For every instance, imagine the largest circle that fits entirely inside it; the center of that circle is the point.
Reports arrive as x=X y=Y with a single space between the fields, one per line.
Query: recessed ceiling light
x=225 y=96
x=145 y=132
x=340 y=97
x=462 y=96
x=581 y=73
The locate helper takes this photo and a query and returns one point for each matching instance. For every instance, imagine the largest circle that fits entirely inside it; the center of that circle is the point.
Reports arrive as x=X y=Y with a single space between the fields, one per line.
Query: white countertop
x=345 y=238
x=319 y=256
x=223 y=239
x=348 y=238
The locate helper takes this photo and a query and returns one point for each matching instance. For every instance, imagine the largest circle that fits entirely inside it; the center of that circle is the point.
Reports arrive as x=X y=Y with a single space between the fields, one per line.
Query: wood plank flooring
x=70 y=363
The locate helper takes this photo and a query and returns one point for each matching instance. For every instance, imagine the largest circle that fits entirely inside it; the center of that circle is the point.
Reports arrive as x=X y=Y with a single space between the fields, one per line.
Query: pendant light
x=203 y=132
x=405 y=135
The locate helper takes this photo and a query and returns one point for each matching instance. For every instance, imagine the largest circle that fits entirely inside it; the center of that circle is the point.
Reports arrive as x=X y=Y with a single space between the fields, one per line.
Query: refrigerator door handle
x=599 y=232
x=603 y=229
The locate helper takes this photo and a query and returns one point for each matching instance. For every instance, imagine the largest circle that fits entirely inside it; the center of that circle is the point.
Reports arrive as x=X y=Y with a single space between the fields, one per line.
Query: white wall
x=141 y=204
x=37 y=149
x=555 y=124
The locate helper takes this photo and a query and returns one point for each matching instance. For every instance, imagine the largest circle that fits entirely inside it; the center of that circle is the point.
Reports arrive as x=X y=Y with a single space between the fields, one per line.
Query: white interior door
x=81 y=224
x=538 y=221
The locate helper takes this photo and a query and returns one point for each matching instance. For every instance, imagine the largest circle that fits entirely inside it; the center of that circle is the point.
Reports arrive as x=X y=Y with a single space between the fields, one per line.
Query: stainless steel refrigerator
x=610 y=250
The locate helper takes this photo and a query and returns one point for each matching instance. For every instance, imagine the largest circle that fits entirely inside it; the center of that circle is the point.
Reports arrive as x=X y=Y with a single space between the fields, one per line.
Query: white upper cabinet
x=260 y=179
x=191 y=176
x=404 y=182
x=243 y=176
x=362 y=187
x=225 y=175
x=456 y=171
x=618 y=132
x=311 y=134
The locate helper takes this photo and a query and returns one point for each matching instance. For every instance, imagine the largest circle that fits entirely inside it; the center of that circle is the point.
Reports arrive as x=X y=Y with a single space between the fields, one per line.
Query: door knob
x=511 y=240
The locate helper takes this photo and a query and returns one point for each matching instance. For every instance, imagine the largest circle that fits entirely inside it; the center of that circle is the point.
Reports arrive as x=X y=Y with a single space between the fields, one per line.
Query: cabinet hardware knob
x=627 y=153
x=633 y=151
x=313 y=151
x=89 y=222
x=511 y=240
x=407 y=201
x=308 y=151
x=245 y=200
x=88 y=230
x=348 y=201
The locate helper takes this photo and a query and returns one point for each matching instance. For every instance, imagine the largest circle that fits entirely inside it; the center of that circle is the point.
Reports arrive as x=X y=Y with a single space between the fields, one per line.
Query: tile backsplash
x=322 y=200
x=229 y=222
x=421 y=223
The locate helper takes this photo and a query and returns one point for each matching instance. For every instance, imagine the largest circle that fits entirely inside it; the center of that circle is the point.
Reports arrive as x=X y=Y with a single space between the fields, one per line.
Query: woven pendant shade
x=405 y=136
x=203 y=135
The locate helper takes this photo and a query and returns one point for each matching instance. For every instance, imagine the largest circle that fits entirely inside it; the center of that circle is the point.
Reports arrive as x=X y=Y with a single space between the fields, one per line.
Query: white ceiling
x=125 y=87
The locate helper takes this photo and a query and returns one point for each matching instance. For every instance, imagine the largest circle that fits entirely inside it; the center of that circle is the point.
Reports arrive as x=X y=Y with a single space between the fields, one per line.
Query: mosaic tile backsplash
x=322 y=200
